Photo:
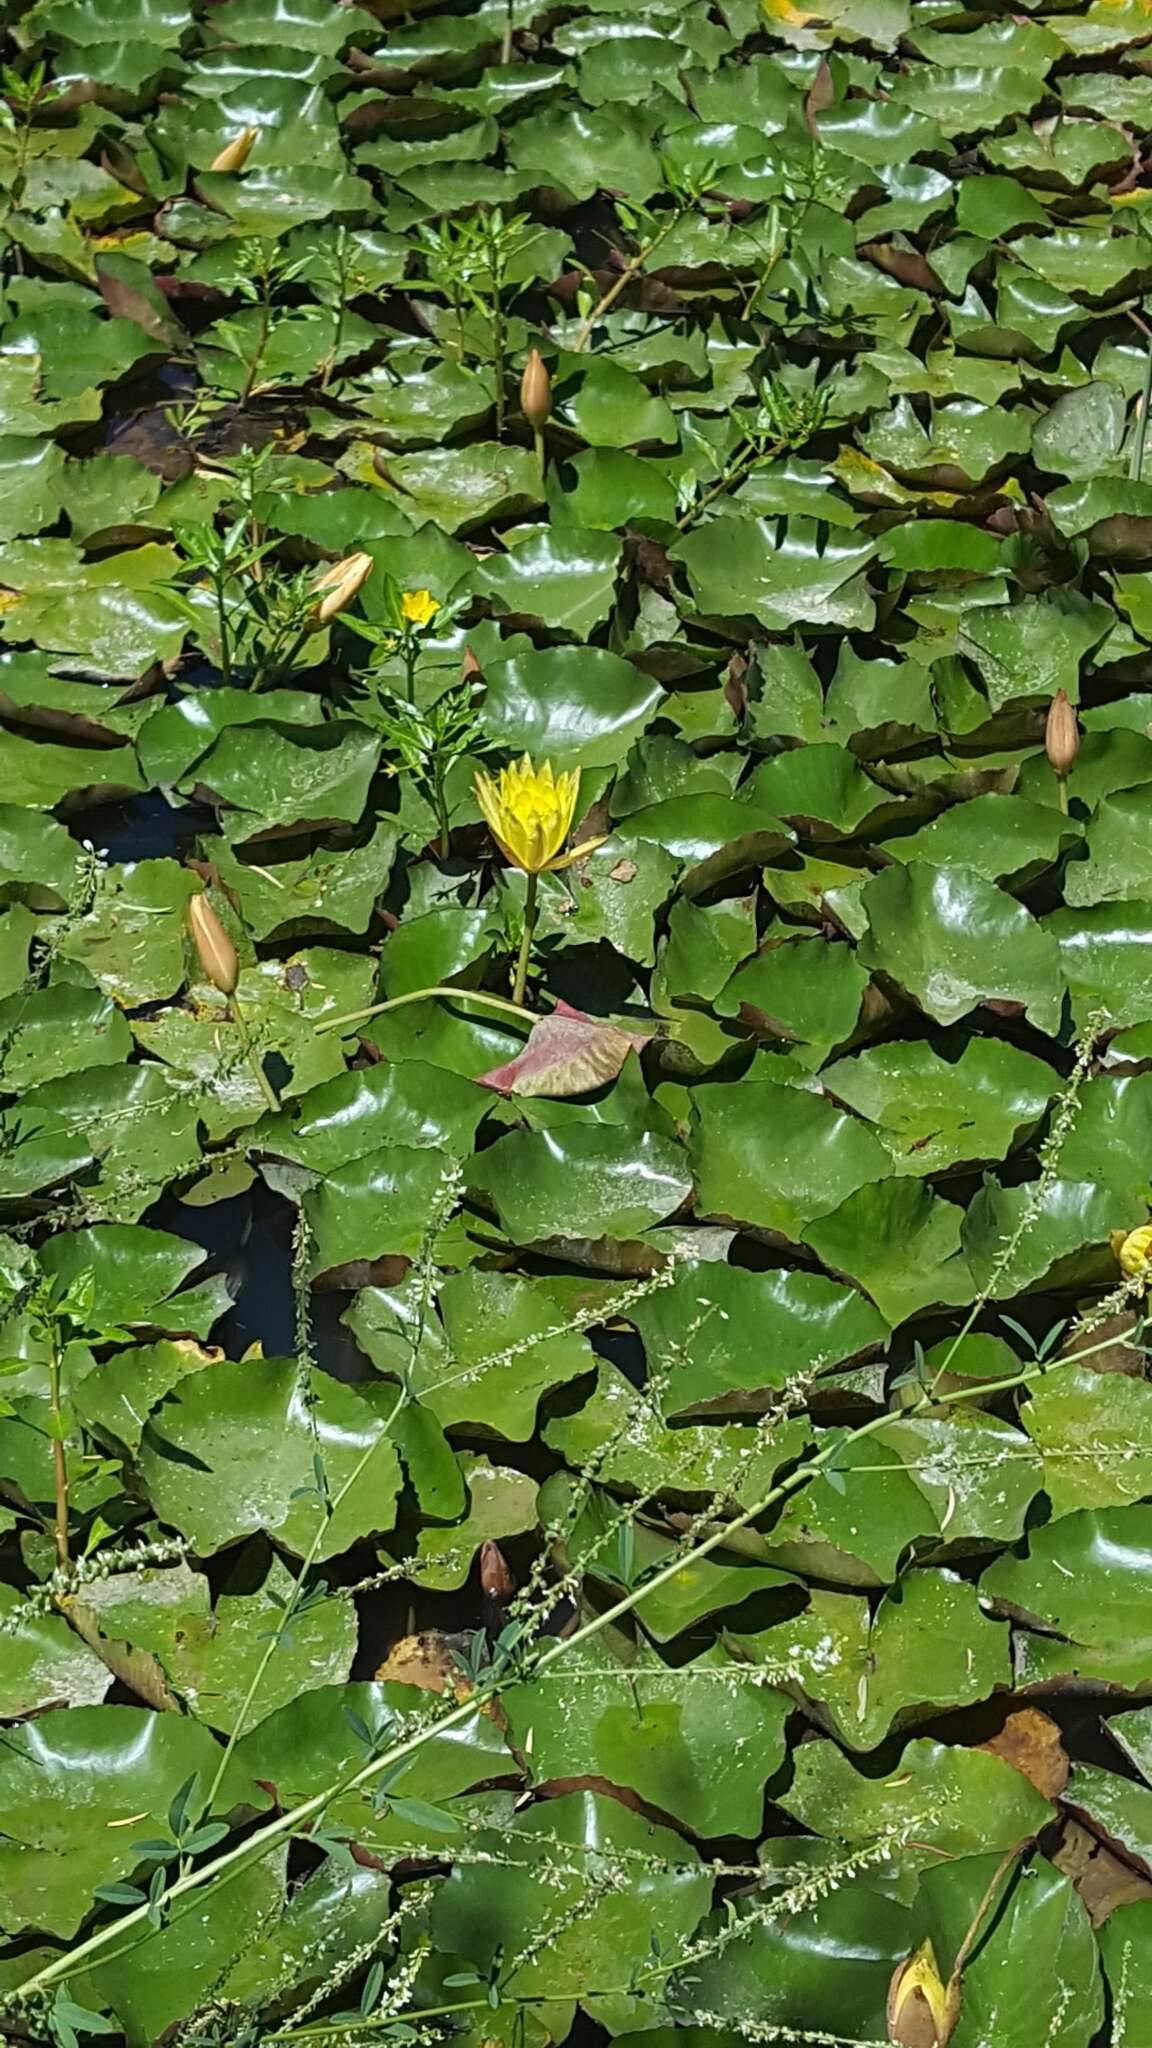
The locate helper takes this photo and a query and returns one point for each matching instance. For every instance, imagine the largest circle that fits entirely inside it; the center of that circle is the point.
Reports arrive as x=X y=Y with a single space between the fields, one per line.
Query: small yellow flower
x=529 y=812
x=419 y=607
x=919 y=2014
x=1133 y=1250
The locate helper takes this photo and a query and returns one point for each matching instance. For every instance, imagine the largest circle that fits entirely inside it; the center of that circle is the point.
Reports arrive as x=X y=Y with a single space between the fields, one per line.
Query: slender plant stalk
x=276 y=1635
x=440 y=803
x=262 y=343
x=424 y=995
x=223 y=629
x=981 y=1913
x=614 y=290
x=1050 y=1160
x=252 y=1055
x=221 y=1869
x=509 y=25
x=541 y=450
x=1136 y=465
x=1062 y=783
x=734 y=474
x=59 y=1458
x=275 y=663
x=520 y=977
x=499 y=347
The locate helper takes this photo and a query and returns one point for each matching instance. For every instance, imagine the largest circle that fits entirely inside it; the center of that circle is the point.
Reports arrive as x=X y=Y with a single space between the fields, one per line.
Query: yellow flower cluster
x=529 y=813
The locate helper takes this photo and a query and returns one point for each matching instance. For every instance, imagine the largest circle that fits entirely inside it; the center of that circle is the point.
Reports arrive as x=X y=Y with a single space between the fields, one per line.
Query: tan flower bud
x=337 y=587
x=922 y=2009
x=535 y=392
x=469 y=667
x=217 y=954
x=1061 y=734
x=236 y=153
x=495 y=1578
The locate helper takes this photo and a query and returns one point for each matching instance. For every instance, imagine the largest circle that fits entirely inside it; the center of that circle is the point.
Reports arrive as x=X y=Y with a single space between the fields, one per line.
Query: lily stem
x=1062 y=793
x=423 y=995
x=520 y=978
x=59 y=1457
x=252 y=1055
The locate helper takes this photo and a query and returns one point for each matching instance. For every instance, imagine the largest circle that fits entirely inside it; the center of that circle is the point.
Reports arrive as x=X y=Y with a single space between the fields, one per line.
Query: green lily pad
x=1094 y=1433
x=1069 y=1225
x=901 y=1242
x=114 y=1764
x=586 y=1181
x=1081 y=1583
x=498 y=1347
x=232 y=1451
x=783 y=573
x=957 y=1802
x=954 y=941
x=933 y=1112
x=578 y=707
x=374 y=1207
x=602 y=1942
x=865 y=1671
x=1103 y=960
x=501 y=1503
x=566 y=579
x=695 y=1742
x=993 y=836
x=210 y=1653
x=778 y=1157
x=755 y=1330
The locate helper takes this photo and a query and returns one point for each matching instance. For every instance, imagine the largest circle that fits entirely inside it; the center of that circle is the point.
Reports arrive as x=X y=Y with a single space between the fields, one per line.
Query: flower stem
x=608 y=299
x=59 y=1457
x=252 y=1054
x=1062 y=793
x=440 y=803
x=520 y=977
x=423 y=995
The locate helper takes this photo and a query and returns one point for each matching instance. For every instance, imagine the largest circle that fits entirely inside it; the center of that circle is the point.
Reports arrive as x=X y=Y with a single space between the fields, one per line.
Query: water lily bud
x=921 y=2012
x=495 y=1578
x=1061 y=734
x=236 y=153
x=535 y=391
x=217 y=954
x=337 y=587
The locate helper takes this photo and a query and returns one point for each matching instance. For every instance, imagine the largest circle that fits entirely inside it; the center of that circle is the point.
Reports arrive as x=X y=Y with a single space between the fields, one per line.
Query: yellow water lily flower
x=1133 y=1250
x=529 y=813
x=419 y=607
x=918 y=2002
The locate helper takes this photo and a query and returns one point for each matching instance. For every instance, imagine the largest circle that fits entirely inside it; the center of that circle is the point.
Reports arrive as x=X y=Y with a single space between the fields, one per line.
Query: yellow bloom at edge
x=1133 y=1249
x=419 y=607
x=529 y=813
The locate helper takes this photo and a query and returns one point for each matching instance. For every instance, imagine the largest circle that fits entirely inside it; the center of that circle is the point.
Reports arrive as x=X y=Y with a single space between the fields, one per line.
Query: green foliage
x=629 y=1508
